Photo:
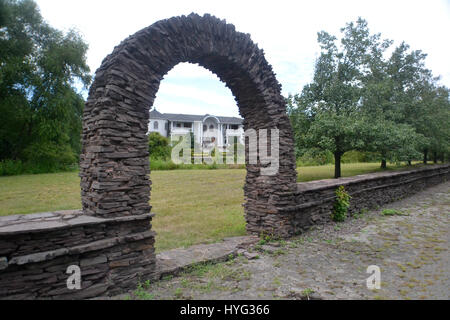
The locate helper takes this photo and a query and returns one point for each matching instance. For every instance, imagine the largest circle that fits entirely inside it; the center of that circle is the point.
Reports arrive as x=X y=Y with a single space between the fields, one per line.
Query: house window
x=211 y=127
x=205 y=128
x=178 y=125
x=187 y=125
x=155 y=125
x=234 y=127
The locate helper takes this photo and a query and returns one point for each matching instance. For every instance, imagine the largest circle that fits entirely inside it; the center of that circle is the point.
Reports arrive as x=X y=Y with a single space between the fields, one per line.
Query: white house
x=208 y=130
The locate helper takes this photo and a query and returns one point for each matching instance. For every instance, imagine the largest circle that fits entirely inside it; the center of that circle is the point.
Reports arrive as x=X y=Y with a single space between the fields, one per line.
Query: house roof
x=154 y=114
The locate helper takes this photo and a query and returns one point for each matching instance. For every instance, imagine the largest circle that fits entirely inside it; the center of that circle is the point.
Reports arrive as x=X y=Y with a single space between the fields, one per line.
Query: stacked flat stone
x=114 y=161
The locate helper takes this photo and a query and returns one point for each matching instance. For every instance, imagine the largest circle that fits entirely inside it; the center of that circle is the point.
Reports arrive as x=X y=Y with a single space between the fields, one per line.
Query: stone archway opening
x=114 y=165
x=195 y=206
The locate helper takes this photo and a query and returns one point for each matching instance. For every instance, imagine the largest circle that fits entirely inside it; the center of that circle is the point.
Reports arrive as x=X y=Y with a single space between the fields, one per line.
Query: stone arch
x=114 y=166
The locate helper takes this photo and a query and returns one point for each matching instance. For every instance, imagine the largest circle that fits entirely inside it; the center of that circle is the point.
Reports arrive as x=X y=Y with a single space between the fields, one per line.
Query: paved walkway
x=409 y=243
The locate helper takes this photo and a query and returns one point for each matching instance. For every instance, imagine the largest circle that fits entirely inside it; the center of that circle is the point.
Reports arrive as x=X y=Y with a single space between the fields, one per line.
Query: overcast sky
x=286 y=30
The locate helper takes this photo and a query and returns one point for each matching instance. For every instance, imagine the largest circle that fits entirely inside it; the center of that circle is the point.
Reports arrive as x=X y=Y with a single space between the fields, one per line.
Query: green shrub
x=315 y=157
x=158 y=164
x=341 y=205
x=42 y=157
x=354 y=156
x=16 y=167
x=48 y=157
x=11 y=167
x=158 y=146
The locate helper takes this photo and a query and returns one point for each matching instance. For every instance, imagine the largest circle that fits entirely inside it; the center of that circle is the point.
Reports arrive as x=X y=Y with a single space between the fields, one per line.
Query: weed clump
x=341 y=205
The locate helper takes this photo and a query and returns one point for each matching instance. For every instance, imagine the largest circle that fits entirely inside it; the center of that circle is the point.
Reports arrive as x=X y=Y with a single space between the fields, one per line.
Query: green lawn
x=348 y=170
x=191 y=206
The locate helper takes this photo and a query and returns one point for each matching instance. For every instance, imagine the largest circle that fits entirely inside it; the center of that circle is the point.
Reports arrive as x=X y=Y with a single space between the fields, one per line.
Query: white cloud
x=189 y=71
x=220 y=99
x=188 y=88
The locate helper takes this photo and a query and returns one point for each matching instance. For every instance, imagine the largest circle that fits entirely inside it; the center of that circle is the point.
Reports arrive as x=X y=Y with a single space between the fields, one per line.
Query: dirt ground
x=409 y=243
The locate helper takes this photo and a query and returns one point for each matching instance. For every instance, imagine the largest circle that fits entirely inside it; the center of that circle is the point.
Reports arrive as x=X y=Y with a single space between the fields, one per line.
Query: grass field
x=191 y=206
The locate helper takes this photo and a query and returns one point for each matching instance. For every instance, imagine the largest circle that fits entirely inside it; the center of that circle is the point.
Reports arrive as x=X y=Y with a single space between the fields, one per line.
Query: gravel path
x=409 y=243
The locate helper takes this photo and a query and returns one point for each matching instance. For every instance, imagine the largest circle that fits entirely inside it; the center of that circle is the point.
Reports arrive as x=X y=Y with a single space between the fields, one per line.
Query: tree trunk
x=425 y=156
x=435 y=157
x=409 y=163
x=337 y=165
x=383 y=164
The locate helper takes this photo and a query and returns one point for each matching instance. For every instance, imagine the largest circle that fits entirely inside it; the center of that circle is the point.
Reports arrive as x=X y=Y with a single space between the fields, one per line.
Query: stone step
x=174 y=261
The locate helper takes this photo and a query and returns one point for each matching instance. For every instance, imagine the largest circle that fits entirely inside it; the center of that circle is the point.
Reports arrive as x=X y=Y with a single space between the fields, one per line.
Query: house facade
x=209 y=131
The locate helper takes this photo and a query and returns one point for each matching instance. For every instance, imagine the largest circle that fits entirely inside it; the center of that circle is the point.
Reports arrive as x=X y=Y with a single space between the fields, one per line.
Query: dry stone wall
x=314 y=200
x=37 y=249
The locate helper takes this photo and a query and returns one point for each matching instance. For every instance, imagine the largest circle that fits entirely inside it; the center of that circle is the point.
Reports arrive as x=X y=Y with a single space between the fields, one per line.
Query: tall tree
x=39 y=70
x=301 y=118
x=384 y=129
x=413 y=85
x=335 y=93
x=436 y=128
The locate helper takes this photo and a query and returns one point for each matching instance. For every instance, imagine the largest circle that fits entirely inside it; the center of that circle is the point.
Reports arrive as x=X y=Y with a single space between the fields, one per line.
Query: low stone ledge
x=332 y=184
x=36 y=250
x=315 y=199
x=319 y=185
x=175 y=261
x=50 y=221
x=27 y=234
